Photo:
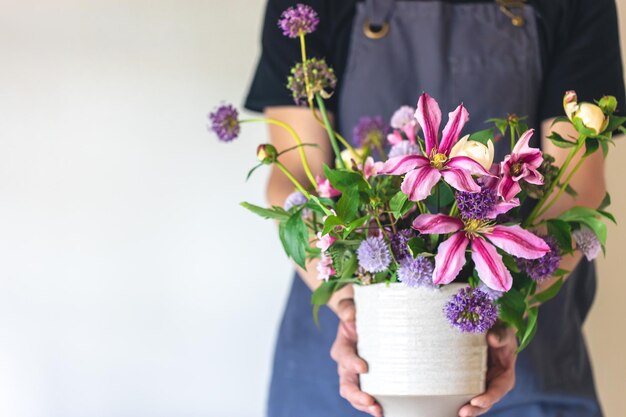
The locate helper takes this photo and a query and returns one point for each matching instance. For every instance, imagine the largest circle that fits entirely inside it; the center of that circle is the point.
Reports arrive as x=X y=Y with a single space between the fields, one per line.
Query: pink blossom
x=325 y=189
x=483 y=236
x=325 y=267
x=423 y=172
x=521 y=164
x=371 y=168
x=324 y=242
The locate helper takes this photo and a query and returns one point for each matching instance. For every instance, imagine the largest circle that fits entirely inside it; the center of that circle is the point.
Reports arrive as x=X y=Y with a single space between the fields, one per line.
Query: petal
x=466 y=163
x=419 y=183
x=452 y=131
x=394 y=137
x=428 y=115
x=518 y=242
x=508 y=188
x=461 y=180
x=489 y=266
x=450 y=258
x=526 y=154
x=437 y=224
x=502 y=207
x=400 y=165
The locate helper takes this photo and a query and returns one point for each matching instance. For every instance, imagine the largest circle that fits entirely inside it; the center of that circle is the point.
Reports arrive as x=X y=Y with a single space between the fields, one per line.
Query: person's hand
x=349 y=364
x=500 y=373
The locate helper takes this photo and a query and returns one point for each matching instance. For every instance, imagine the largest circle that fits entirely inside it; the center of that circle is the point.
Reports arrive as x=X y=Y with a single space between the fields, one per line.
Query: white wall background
x=131 y=283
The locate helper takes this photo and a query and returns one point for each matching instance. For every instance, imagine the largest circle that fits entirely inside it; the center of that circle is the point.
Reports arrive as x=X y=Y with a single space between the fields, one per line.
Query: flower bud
x=266 y=153
x=591 y=115
x=348 y=157
x=608 y=104
x=474 y=150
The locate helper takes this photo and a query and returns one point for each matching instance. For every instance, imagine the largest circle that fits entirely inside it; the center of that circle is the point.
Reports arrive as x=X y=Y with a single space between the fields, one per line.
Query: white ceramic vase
x=419 y=365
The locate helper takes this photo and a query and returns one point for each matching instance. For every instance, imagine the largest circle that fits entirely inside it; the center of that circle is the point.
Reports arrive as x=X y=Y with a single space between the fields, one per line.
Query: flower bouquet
x=439 y=240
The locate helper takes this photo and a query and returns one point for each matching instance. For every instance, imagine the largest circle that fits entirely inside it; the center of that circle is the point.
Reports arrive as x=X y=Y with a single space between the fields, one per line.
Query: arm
x=279 y=187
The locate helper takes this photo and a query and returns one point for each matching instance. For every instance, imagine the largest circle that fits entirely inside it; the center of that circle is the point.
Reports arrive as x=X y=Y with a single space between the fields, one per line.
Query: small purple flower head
x=542 y=268
x=299 y=20
x=403 y=116
x=370 y=131
x=493 y=294
x=225 y=122
x=399 y=243
x=321 y=77
x=471 y=310
x=416 y=272
x=373 y=254
x=294 y=199
x=476 y=205
x=404 y=148
x=587 y=242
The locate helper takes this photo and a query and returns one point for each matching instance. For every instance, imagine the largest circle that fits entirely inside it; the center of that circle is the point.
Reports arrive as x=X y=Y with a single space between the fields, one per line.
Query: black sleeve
x=280 y=53
x=586 y=57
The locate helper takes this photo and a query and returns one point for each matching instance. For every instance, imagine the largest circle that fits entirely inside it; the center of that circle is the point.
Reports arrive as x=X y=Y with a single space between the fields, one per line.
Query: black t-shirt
x=579 y=45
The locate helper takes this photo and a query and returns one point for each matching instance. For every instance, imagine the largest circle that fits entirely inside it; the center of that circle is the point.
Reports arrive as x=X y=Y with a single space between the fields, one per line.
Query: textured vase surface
x=419 y=365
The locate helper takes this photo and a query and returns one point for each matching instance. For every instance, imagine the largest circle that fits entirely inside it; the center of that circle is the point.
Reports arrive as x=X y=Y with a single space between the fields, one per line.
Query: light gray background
x=131 y=283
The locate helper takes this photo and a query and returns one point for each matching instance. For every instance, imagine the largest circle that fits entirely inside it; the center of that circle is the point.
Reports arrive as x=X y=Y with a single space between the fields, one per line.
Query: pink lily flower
x=423 y=172
x=370 y=168
x=521 y=164
x=483 y=236
x=325 y=189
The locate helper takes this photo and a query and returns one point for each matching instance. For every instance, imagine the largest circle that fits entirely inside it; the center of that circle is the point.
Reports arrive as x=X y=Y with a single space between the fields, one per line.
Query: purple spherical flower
x=370 y=131
x=299 y=20
x=373 y=254
x=321 y=78
x=416 y=272
x=476 y=205
x=294 y=199
x=542 y=268
x=399 y=243
x=471 y=310
x=225 y=122
x=587 y=242
x=404 y=148
x=403 y=116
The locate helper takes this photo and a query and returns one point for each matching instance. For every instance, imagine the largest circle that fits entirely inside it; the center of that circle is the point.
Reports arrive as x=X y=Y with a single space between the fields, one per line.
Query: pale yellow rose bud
x=589 y=114
x=474 y=150
x=348 y=156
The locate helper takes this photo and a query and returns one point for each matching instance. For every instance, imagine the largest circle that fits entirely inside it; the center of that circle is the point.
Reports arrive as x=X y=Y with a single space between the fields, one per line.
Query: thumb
x=346 y=310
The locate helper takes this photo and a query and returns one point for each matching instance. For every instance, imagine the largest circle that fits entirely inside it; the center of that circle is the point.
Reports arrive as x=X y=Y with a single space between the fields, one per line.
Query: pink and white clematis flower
x=423 y=172
x=521 y=164
x=371 y=168
x=483 y=236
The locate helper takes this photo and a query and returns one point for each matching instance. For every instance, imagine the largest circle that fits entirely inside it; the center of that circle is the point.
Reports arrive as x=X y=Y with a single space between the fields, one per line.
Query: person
x=497 y=57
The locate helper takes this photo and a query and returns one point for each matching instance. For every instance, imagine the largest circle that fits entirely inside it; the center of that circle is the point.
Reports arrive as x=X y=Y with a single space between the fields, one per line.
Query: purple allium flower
x=416 y=272
x=225 y=122
x=542 y=268
x=369 y=131
x=373 y=254
x=399 y=243
x=299 y=20
x=476 y=205
x=403 y=116
x=404 y=148
x=587 y=242
x=471 y=310
x=321 y=79
x=294 y=199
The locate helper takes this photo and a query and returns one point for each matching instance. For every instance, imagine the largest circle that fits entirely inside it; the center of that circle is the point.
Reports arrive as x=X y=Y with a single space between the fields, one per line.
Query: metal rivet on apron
x=506 y=7
x=375 y=31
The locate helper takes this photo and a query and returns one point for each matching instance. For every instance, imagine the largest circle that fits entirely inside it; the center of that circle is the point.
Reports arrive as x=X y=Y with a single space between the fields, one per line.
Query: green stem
x=296 y=138
x=454 y=210
x=563 y=187
x=293 y=179
x=330 y=130
x=512 y=136
x=307 y=86
x=535 y=212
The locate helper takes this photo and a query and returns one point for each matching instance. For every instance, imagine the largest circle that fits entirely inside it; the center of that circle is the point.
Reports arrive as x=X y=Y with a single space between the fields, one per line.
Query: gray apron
x=468 y=52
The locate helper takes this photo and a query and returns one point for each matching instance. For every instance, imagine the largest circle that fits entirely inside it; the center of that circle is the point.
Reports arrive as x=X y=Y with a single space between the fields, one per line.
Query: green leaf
x=598 y=227
x=591 y=145
x=559 y=141
x=569 y=190
x=294 y=236
x=582 y=129
x=276 y=213
x=349 y=266
x=588 y=217
x=606 y=201
x=614 y=123
x=252 y=170
x=416 y=245
x=562 y=232
x=531 y=329
x=549 y=293
x=348 y=205
x=512 y=308
x=354 y=225
x=321 y=296
x=607 y=215
x=330 y=223
x=397 y=202
x=482 y=136
x=561 y=119
x=343 y=180
x=509 y=262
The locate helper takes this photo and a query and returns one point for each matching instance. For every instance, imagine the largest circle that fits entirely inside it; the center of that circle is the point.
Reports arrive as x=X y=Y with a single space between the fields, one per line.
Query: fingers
x=349 y=389
x=344 y=353
x=498 y=387
x=472 y=411
x=500 y=336
x=346 y=310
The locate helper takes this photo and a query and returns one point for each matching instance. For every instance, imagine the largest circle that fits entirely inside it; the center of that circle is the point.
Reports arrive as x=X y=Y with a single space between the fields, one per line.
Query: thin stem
x=512 y=137
x=340 y=138
x=307 y=86
x=296 y=138
x=330 y=130
x=534 y=213
x=563 y=187
x=455 y=209
x=293 y=179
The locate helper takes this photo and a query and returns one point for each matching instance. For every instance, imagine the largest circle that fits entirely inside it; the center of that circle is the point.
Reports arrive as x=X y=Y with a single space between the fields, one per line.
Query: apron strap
x=378 y=12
